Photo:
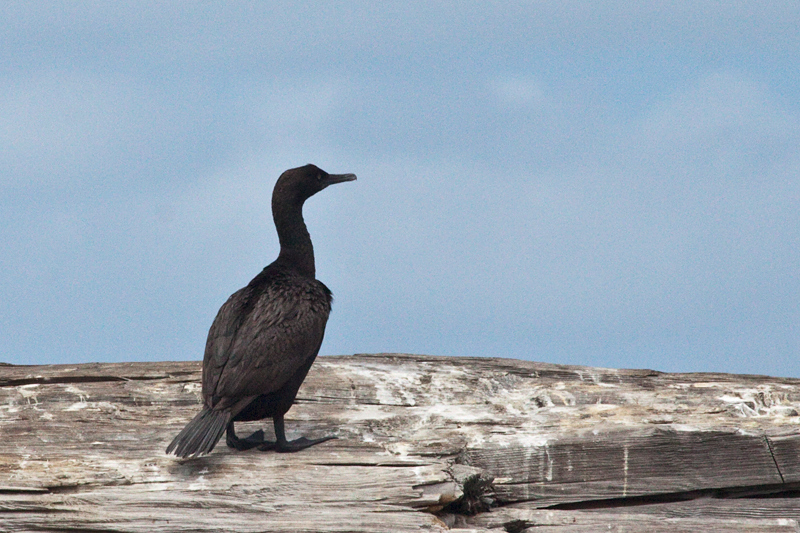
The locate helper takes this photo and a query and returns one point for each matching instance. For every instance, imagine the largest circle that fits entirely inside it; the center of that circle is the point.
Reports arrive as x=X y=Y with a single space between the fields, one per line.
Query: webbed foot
x=253 y=441
x=280 y=445
x=290 y=446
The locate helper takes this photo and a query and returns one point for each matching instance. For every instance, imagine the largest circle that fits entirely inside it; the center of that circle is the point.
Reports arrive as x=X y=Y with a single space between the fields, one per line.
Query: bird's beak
x=332 y=179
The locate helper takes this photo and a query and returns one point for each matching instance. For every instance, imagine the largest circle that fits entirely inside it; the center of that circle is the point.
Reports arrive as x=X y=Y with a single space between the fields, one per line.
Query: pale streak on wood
x=82 y=448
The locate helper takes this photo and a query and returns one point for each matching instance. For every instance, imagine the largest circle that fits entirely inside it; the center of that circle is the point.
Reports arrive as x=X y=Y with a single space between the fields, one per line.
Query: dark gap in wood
x=517 y=526
x=58 y=380
x=478 y=497
x=777 y=490
x=22 y=490
x=378 y=465
x=789 y=494
x=72 y=379
x=789 y=490
x=67 y=489
x=772 y=453
x=172 y=377
x=437 y=455
x=334 y=399
x=77 y=530
x=35 y=510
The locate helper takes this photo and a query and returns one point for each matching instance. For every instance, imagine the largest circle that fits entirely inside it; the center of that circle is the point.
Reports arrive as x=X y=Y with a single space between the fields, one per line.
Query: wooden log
x=425 y=443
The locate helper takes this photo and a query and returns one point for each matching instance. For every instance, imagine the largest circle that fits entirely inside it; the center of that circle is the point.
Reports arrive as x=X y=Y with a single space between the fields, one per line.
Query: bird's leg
x=254 y=440
x=282 y=445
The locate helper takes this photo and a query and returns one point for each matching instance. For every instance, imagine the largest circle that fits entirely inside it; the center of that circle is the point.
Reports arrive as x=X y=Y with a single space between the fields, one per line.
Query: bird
x=267 y=335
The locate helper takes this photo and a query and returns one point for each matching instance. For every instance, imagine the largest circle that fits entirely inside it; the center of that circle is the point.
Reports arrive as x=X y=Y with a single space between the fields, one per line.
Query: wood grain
x=425 y=444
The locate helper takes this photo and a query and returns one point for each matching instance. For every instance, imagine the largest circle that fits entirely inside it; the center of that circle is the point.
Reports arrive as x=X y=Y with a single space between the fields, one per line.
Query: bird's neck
x=297 y=252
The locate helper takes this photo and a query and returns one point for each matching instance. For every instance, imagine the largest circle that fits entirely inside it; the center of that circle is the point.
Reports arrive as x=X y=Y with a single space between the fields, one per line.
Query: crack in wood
x=375 y=465
x=517 y=526
x=43 y=380
x=21 y=490
x=478 y=496
x=785 y=490
x=772 y=453
x=65 y=380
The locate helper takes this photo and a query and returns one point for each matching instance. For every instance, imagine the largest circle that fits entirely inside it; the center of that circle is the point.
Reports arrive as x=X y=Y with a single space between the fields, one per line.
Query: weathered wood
x=517 y=520
x=424 y=443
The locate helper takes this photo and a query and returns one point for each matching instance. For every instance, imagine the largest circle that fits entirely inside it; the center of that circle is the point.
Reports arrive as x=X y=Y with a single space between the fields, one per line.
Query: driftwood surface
x=425 y=444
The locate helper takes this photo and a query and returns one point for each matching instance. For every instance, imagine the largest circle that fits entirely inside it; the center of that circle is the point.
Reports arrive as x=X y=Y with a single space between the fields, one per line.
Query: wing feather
x=262 y=335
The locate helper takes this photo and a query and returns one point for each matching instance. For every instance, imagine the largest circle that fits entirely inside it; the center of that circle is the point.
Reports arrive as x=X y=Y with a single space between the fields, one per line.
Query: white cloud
x=517 y=91
x=722 y=115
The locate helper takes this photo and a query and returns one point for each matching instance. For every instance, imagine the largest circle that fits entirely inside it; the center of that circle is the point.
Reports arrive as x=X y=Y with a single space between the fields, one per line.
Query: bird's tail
x=201 y=434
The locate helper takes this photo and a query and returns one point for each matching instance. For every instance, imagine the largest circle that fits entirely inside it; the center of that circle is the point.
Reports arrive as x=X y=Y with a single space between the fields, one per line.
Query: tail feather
x=201 y=434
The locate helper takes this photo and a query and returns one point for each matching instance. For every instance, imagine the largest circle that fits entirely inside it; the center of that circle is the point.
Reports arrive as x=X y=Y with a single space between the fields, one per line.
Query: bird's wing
x=222 y=335
x=260 y=338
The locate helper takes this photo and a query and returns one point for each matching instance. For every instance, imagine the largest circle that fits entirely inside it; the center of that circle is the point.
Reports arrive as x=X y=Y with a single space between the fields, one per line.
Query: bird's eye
x=319 y=177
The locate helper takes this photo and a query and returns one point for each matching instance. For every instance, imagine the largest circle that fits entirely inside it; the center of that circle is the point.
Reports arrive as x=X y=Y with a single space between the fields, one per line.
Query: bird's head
x=296 y=185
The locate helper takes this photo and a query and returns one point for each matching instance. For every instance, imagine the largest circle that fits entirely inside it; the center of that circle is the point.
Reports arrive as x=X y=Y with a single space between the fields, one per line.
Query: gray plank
x=627 y=464
x=81 y=446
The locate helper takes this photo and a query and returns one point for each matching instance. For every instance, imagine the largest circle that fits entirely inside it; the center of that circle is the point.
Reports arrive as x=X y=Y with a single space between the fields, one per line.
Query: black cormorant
x=266 y=336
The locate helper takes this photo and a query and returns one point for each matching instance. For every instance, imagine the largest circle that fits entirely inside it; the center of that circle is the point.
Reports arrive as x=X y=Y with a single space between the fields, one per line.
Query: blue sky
x=598 y=183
